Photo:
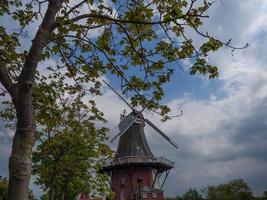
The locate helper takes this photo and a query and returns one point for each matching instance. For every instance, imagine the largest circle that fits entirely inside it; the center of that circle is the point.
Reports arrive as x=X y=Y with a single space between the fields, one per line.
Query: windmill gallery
x=135 y=172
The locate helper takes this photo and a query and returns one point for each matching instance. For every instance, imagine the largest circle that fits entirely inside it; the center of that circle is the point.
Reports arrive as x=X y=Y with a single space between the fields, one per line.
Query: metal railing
x=140 y=159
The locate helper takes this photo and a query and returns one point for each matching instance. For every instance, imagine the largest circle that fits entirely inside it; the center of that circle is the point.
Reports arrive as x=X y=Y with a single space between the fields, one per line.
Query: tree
x=234 y=190
x=263 y=196
x=192 y=194
x=67 y=165
x=3 y=188
x=31 y=195
x=134 y=36
x=71 y=151
x=174 y=198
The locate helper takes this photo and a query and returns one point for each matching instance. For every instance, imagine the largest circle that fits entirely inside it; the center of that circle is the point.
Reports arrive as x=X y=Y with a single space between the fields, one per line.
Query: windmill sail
x=118 y=95
x=130 y=120
x=161 y=133
x=125 y=124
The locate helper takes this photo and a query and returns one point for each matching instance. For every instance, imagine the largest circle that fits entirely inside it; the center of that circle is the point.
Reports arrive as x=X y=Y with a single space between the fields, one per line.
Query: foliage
x=3 y=188
x=234 y=190
x=71 y=150
x=140 y=42
x=72 y=160
x=174 y=198
x=264 y=195
x=151 y=37
x=192 y=194
x=31 y=195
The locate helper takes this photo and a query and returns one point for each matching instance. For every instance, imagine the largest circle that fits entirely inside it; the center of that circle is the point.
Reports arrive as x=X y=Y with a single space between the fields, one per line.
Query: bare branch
x=99 y=16
x=75 y=7
x=6 y=81
x=206 y=35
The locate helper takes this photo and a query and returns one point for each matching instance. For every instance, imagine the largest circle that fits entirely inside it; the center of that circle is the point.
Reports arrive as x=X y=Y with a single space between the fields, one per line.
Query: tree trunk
x=24 y=139
x=52 y=187
x=20 y=166
x=63 y=190
x=62 y=194
x=20 y=159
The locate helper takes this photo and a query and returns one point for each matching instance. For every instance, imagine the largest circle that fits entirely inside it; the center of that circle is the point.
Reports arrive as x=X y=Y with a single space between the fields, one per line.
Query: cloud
x=224 y=137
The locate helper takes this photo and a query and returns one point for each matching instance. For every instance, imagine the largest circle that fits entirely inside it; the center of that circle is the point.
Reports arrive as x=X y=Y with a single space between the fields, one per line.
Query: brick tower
x=135 y=171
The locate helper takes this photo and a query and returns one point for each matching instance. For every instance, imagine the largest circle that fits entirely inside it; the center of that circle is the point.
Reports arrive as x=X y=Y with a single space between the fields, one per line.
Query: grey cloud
x=252 y=133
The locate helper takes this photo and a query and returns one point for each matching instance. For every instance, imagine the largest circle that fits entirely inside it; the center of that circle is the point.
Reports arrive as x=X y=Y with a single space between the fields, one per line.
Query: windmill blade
x=125 y=124
x=161 y=133
x=129 y=105
x=114 y=138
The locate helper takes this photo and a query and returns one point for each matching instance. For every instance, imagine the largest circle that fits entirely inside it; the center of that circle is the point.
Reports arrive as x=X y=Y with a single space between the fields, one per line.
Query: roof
x=134 y=151
x=133 y=142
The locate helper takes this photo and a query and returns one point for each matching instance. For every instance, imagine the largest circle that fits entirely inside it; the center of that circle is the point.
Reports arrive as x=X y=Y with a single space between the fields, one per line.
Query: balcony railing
x=140 y=159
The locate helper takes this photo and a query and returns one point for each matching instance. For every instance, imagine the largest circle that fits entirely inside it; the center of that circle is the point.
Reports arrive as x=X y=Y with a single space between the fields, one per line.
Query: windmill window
x=122 y=182
x=144 y=195
x=154 y=195
x=137 y=147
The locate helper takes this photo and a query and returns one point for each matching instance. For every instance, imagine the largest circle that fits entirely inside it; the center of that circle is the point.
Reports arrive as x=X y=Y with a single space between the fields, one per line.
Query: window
x=122 y=182
x=154 y=195
x=137 y=148
x=144 y=196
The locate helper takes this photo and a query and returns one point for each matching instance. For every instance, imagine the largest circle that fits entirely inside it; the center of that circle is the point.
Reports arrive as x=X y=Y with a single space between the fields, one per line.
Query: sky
x=222 y=134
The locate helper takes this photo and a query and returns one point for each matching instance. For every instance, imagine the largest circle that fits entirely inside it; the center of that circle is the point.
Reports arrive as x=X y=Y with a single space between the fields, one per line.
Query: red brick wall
x=130 y=176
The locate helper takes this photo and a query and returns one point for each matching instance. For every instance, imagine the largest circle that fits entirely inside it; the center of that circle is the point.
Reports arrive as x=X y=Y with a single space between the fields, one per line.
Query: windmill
x=132 y=117
x=136 y=174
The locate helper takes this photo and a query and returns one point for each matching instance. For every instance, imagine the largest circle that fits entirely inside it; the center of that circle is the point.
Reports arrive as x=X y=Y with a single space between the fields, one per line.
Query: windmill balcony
x=158 y=162
x=140 y=159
